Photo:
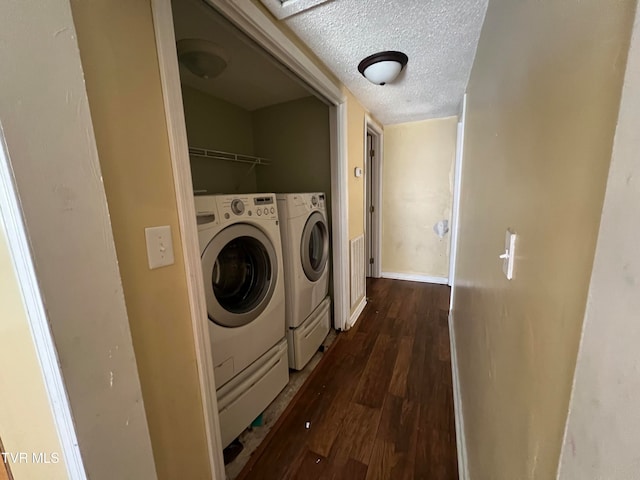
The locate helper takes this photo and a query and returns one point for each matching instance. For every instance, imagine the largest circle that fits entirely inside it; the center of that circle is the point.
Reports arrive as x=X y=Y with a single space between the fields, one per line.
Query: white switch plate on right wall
x=509 y=258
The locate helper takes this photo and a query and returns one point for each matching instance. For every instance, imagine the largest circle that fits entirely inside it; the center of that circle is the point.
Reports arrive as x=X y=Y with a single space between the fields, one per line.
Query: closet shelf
x=228 y=156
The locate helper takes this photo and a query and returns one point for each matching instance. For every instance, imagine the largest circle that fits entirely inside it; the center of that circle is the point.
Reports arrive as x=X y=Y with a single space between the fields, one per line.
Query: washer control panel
x=262 y=206
x=237 y=206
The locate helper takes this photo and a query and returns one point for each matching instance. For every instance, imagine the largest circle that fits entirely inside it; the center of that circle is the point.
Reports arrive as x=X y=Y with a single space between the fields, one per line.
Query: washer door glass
x=240 y=273
x=314 y=249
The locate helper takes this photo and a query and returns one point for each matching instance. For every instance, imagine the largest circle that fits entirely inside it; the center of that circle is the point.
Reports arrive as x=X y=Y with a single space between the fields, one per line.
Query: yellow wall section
x=118 y=51
x=26 y=422
x=543 y=101
x=218 y=125
x=355 y=158
x=417 y=194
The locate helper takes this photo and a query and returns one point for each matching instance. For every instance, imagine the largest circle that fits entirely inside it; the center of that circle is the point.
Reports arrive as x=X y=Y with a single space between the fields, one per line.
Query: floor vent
x=357 y=270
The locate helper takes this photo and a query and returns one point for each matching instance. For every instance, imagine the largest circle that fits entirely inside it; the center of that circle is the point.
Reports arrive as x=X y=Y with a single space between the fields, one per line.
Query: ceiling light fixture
x=383 y=67
x=202 y=58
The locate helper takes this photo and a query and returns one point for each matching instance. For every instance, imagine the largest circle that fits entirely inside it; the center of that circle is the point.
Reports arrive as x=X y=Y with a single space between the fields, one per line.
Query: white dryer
x=305 y=244
x=242 y=265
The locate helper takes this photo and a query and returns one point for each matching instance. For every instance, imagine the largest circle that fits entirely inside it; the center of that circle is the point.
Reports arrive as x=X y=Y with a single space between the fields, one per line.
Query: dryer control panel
x=313 y=201
x=317 y=200
x=260 y=206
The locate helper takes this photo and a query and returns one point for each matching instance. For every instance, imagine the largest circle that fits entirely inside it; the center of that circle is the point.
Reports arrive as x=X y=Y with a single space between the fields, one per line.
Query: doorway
x=373 y=198
x=251 y=20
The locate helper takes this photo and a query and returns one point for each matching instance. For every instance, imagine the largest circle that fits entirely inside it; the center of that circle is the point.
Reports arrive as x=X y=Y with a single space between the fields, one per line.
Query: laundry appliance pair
x=265 y=266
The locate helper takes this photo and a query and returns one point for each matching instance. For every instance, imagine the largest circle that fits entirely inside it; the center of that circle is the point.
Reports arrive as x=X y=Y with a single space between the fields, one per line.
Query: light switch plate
x=509 y=257
x=159 y=246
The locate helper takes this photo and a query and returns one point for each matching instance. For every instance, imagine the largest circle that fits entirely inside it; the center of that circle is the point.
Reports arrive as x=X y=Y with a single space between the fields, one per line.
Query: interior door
x=369 y=207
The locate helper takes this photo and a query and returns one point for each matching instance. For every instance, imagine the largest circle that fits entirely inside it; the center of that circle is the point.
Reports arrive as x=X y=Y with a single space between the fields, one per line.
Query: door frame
x=373 y=176
x=457 y=186
x=250 y=19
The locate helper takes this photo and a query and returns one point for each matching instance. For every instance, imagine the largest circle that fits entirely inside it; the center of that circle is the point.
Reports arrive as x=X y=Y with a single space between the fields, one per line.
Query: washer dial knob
x=314 y=201
x=237 y=207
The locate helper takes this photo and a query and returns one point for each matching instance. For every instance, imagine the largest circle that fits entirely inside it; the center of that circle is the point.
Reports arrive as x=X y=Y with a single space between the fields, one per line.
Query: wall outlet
x=159 y=246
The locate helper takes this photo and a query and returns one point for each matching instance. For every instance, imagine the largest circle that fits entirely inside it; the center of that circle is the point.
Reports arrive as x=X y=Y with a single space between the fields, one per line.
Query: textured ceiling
x=252 y=79
x=439 y=36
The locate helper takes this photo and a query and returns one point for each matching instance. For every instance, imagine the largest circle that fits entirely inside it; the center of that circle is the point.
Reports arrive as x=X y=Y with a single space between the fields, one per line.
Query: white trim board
x=461 y=442
x=13 y=225
x=176 y=129
x=357 y=312
x=410 y=277
x=457 y=186
x=340 y=216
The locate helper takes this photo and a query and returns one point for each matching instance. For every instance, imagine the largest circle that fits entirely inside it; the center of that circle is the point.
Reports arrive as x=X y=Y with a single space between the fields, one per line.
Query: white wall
x=602 y=440
x=50 y=140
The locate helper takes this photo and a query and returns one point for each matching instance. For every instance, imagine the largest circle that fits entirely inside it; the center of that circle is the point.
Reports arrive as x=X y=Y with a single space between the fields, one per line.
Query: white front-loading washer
x=242 y=265
x=305 y=244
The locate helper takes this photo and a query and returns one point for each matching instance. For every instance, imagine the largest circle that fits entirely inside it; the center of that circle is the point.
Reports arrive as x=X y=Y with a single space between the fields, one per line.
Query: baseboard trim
x=461 y=442
x=354 y=316
x=415 y=278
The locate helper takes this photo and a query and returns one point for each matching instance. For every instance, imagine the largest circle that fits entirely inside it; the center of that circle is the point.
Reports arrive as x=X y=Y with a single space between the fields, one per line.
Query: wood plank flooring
x=380 y=403
x=4 y=466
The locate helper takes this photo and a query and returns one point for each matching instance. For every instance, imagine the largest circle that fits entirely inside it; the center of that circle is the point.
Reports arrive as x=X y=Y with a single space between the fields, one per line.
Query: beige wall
x=122 y=75
x=603 y=431
x=543 y=102
x=26 y=422
x=295 y=136
x=218 y=125
x=416 y=195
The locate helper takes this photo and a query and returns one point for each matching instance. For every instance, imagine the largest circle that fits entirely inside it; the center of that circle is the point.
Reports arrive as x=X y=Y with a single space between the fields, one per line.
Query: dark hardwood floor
x=380 y=403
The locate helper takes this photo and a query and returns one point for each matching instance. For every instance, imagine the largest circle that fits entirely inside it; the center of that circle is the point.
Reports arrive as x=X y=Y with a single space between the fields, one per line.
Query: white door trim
x=19 y=249
x=176 y=129
x=457 y=185
x=376 y=130
x=252 y=21
x=340 y=216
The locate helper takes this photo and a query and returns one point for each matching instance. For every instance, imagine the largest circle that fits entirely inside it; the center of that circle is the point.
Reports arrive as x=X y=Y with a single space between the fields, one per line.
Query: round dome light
x=383 y=67
x=204 y=59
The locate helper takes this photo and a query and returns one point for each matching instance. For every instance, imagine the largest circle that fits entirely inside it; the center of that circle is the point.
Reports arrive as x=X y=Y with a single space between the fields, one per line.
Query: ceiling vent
x=282 y=9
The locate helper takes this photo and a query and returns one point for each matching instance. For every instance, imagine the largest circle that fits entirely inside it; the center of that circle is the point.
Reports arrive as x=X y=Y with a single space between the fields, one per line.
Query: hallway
x=380 y=403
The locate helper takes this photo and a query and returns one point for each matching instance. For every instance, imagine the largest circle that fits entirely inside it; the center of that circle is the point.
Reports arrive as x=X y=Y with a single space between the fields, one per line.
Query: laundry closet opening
x=260 y=156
